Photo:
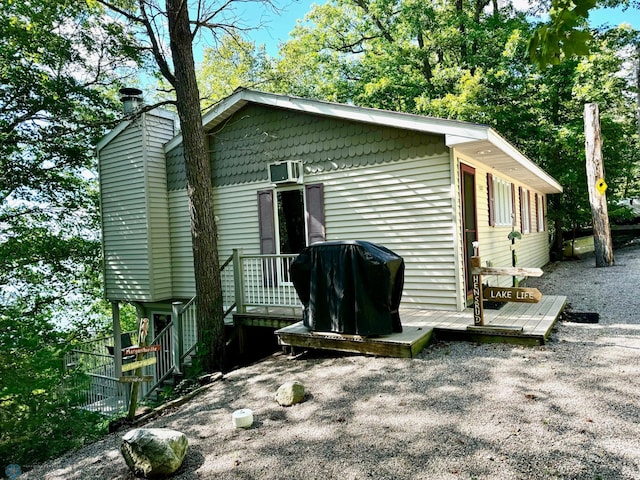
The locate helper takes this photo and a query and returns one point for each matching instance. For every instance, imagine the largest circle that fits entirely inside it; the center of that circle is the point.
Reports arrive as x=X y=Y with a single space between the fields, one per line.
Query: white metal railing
x=188 y=328
x=164 y=365
x=263 y=281
x=104 y=394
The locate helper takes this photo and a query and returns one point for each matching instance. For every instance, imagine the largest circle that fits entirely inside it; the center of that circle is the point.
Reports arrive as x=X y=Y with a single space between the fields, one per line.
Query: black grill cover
x=351 y=287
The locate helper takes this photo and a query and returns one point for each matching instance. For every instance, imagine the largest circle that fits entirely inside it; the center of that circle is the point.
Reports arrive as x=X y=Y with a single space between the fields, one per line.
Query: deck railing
x=105 y=393
x=164 y=365
x=262 y=282
x=259 y=283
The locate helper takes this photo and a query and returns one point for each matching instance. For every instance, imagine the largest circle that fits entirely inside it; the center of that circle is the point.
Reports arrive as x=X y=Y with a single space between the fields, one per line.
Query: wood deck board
x=403 y=345
x=535 y=319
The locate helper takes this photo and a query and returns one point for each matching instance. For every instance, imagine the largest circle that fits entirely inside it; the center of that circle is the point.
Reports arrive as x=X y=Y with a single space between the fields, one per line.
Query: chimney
x=131 y=99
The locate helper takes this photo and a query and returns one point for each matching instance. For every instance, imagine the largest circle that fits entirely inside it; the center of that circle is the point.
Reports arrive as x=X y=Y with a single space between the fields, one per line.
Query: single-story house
x=290 y=171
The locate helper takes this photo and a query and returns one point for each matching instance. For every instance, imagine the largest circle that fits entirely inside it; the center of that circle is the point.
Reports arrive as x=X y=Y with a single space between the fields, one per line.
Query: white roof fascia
x=158 y=112
x=104 y=141
x=495 y=138
x=455 y=132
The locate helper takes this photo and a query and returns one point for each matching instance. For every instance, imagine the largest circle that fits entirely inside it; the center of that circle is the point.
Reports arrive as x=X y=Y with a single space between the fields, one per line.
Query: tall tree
x=172 y=23
x=231 y=63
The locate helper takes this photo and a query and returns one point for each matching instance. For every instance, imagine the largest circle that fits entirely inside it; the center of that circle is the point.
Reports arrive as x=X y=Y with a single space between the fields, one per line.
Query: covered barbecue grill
x=349 y=287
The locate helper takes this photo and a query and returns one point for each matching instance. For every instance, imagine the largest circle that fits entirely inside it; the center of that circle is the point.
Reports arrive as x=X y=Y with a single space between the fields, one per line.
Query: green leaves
x=565 y=35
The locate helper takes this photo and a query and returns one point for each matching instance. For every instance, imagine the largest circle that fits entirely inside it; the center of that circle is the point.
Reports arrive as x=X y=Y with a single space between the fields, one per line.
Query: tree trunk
x=595 y=178
x=210 y=320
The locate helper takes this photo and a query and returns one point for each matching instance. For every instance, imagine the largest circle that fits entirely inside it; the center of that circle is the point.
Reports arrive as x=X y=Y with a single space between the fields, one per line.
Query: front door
x=469 y=220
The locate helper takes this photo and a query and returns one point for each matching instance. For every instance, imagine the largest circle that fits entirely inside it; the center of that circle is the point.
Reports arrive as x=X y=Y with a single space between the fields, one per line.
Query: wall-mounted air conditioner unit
x=285 y=172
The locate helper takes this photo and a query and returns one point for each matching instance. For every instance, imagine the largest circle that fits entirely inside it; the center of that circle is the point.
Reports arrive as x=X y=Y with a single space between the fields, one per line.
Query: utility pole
x=597 y=186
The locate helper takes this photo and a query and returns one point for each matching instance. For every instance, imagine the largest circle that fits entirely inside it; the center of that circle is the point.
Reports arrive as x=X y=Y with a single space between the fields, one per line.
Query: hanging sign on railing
x=135 y=350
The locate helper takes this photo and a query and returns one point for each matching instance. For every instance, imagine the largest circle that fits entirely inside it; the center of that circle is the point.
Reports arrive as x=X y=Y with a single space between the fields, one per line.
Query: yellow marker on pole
x=601 y=186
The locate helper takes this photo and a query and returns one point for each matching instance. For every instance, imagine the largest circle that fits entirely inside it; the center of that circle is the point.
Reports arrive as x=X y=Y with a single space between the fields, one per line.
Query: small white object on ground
x=242 y=418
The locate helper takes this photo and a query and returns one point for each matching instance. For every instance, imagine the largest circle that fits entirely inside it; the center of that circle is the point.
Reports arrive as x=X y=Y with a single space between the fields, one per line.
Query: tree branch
x=383 y=29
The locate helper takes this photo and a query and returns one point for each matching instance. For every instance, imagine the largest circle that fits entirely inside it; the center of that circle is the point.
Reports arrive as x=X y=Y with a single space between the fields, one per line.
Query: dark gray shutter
x=490 y=199
x=267 y=227
x=514 y=217
x=315 y=213
x=266 y=222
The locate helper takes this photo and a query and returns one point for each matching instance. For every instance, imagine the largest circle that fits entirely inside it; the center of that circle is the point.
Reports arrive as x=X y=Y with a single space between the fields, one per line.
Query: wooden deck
x=520 y=323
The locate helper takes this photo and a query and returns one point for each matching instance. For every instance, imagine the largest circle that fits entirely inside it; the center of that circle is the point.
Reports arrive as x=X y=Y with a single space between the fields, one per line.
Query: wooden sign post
x=476 y=279
x=137 y=378
x=500 y=294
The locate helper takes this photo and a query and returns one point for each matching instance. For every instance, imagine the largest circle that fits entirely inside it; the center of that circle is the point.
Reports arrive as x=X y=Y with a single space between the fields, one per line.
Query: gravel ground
x=566 y=410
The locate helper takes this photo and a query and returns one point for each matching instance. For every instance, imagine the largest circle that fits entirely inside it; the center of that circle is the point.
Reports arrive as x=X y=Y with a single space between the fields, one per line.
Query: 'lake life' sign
x=500 y=294
x=512 y=294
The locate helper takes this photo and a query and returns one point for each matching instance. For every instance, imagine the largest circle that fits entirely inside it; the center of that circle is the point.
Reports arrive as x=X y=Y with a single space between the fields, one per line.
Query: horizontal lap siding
x=158 y=132
x=236 y=209
x=181 y=247
x=495 y=247
x=405 y=206
x=135 y=212
x=124 y=217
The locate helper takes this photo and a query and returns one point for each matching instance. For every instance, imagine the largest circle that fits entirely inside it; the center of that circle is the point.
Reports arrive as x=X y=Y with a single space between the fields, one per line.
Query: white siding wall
x=236 y=209
x=495 y=247
x=135 y=212
x=406 y=207
x=158 y=131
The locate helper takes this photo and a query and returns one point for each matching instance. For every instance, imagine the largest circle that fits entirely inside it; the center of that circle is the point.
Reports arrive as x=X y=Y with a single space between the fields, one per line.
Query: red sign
x=136 y=350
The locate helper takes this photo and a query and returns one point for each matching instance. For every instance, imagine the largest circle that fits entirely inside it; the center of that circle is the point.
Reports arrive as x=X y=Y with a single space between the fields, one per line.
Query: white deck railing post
x=238 y=280
x=176 y=336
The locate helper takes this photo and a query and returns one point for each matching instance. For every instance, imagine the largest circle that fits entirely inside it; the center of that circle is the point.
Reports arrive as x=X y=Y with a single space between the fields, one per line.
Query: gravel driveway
x=566 y=410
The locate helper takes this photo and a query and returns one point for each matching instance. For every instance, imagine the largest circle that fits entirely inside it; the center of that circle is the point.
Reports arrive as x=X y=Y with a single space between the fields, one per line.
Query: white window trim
x=502 y=202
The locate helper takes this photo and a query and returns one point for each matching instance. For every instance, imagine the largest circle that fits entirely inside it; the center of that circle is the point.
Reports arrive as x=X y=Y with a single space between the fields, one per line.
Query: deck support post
x=176 y=336
x=476 y=278
x=238 y=280
x=117 y=339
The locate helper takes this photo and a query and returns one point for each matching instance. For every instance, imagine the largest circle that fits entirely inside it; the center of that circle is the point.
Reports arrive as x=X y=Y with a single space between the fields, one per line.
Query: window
x=500 y=201
x=525 y=215
x=291 y=230
x=289 y=219
x=300 y=219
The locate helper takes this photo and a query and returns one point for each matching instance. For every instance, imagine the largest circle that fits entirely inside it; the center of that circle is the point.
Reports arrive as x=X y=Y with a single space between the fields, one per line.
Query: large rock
x=290 y=393
x=154 y=452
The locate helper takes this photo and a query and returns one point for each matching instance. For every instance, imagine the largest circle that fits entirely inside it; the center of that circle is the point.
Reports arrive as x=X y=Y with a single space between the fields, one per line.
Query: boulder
x=154 y=452
x=290 y=393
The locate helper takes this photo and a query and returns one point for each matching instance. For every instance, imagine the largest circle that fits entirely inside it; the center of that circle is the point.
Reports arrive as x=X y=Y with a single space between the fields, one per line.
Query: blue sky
x=278 y=26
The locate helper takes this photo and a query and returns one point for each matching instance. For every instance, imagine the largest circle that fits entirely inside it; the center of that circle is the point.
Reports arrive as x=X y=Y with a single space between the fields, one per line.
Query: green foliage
x=56 y=60
x=37 y=396
x=565 y=35
x=232 y=63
